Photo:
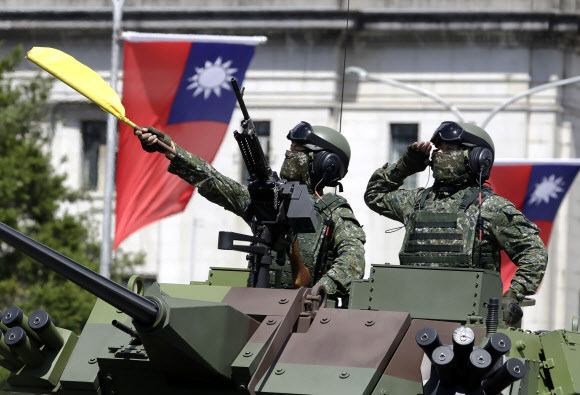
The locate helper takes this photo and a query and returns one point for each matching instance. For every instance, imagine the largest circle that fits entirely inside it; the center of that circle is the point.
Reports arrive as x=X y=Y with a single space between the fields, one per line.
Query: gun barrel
x=238 y=93
x=134 y=305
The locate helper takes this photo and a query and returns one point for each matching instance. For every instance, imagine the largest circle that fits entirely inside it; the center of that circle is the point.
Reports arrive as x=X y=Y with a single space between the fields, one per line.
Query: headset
x=480 y=161
x=327 y=168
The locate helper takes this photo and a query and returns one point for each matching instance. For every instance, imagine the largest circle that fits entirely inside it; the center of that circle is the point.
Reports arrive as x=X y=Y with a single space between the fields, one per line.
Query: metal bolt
x=476 y=285
x=477 y=275
x=283 y=301
x=343 y=375
x=369 y=323
x=324 y=320
x=93 y=360
x=248 y=354
x=270 y=321
x=371 y=289
x=370 y=298
x=279 y=371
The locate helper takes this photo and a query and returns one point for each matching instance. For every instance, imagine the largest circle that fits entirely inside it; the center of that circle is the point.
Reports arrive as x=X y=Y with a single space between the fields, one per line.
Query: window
x=94 y=152
x=402 y=135
x=263 y=132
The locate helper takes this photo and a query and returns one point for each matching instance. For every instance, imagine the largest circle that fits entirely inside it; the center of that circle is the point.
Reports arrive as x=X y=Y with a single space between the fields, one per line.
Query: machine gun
x=279 y=209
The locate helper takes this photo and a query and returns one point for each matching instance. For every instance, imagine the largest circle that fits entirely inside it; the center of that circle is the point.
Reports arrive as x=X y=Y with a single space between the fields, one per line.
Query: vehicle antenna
x=344 y=67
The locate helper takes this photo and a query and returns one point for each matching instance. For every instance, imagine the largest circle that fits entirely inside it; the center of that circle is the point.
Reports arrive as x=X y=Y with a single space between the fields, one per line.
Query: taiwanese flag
x=536 y=188
x=179 y=84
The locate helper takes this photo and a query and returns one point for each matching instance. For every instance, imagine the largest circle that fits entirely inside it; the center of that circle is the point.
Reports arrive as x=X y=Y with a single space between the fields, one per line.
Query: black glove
x=512 y=312
x=156 y=147
x=414 y=160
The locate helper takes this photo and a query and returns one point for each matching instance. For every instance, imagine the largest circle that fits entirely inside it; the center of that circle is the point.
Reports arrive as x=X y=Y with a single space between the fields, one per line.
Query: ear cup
x=481 y=161
x=326 y=166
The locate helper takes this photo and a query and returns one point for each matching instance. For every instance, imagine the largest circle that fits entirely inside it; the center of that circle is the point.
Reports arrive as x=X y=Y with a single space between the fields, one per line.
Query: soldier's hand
x=149 y=136
x=512 y=312
x=416 y=157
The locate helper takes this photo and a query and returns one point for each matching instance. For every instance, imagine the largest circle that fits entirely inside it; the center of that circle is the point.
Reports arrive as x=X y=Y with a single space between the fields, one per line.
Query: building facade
x=473 y=54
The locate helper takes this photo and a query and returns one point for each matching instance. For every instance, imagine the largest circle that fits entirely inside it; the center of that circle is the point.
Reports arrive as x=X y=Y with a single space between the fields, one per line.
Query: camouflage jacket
x=345 y=258
x=504 y=227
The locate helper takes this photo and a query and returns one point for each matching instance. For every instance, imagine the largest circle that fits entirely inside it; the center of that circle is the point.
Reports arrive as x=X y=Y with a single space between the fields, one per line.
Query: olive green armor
x=447 y=236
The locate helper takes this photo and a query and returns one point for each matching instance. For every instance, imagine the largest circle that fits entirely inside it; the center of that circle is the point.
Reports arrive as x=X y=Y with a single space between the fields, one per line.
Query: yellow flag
x=79 y=77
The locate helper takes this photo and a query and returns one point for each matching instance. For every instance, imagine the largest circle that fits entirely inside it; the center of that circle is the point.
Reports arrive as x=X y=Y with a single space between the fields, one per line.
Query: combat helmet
x=331 y=151
x=481 y=150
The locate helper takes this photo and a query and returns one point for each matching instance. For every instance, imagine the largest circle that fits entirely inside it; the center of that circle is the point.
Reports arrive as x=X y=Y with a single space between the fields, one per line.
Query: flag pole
x=112 y=123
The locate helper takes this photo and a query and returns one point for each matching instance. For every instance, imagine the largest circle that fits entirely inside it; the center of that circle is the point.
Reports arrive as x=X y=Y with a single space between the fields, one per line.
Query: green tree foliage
x=32 y=197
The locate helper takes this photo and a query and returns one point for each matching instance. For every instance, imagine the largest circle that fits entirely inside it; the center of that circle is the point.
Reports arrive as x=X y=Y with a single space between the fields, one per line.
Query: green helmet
x=332 y=151
x=478 y=141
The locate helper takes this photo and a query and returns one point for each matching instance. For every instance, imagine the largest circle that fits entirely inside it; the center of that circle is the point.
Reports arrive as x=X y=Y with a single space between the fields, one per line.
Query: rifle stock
x=300 y=273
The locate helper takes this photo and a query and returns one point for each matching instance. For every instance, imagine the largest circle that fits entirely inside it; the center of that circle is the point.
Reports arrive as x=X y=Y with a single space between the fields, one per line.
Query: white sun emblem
x=211 y=78
x=547 y=189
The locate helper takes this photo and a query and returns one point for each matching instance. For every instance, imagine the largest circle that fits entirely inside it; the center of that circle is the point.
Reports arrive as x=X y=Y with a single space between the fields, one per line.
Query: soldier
x=446 y=225
x=318 y=157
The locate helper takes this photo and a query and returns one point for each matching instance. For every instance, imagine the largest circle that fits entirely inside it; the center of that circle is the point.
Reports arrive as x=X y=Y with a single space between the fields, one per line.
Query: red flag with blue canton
x=179 y=84
x=536 y=188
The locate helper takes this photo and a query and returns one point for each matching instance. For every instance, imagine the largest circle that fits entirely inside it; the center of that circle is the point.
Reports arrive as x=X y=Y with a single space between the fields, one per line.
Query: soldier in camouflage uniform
x=443 y=223
x=318 y=157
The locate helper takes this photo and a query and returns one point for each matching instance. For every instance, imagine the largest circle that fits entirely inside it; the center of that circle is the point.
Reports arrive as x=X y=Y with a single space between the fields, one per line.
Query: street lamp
x=529 y=92
x=363 y=75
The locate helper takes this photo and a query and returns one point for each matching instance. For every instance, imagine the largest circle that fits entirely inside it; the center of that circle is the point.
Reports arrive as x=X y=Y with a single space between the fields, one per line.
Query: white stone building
x=473 y=54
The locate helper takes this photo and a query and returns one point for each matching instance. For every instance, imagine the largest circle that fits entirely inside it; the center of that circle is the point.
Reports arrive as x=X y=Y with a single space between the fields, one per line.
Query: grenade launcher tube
x=136 y=306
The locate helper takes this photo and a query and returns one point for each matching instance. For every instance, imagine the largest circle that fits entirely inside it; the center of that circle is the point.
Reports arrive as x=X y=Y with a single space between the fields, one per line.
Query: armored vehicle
x=407 y=330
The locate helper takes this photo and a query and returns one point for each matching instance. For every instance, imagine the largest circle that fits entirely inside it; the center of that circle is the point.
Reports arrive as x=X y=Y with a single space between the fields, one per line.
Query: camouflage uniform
x=344 y=260
x=504 y=227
